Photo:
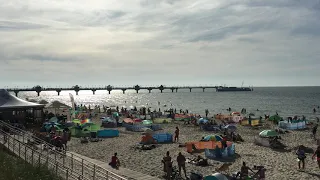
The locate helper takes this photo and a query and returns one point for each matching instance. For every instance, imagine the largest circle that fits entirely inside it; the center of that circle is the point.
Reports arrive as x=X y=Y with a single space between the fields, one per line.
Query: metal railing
x=66 y=164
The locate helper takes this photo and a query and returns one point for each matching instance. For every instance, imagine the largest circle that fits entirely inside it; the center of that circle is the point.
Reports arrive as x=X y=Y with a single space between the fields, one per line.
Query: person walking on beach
x=314 y=131
x=176 y=135
x=317 y=155
x=301 y=157
x=207 y=112
x=181 y=160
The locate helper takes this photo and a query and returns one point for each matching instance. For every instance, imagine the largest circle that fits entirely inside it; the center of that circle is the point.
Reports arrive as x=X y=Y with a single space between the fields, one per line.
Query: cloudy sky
x=153 y=42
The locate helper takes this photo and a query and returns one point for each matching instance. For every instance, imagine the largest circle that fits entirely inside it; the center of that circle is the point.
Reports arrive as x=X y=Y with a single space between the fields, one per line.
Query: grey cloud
x=19 y=26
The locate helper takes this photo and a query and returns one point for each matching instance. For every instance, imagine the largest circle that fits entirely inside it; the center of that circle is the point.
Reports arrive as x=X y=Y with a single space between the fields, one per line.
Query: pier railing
x=38 y=153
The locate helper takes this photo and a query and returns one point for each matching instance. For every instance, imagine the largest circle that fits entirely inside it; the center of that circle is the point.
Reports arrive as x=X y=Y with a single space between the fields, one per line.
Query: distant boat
x=230 y=89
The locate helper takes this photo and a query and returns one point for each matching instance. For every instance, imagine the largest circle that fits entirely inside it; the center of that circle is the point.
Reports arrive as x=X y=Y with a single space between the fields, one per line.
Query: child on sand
x=301 y=157
x=317 y=155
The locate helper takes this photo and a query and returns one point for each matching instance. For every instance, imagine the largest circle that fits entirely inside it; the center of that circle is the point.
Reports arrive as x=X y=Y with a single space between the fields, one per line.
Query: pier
x=109 y=88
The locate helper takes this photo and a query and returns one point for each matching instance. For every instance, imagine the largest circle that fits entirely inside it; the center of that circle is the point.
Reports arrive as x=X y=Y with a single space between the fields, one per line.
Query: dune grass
x=14 y=168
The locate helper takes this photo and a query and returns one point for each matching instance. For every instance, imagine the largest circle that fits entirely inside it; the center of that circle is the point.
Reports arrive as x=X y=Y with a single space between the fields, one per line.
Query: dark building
x=16 y=110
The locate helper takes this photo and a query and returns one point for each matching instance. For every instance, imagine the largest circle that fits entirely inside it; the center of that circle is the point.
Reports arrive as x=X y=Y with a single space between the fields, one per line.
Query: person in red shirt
x=115 y=163
x=176 y=135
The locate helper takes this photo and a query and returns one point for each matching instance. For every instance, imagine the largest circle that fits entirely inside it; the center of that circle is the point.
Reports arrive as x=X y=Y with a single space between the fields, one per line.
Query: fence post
x=67 y=175
x=71 y=161
x=13 y=144
x=94 y=171
x=63 y=161
x=25 y=153
x=82 y=167
x=47 y=159
x=56 y=168
x=39 y=159
x=19 y=149
x=32 y=153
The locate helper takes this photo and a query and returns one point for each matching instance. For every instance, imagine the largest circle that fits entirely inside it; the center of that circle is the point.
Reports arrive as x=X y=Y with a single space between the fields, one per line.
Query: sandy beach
x=279 y=165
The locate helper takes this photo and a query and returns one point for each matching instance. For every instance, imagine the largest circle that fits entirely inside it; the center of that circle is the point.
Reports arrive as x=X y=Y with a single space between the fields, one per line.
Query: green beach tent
x=268 y=133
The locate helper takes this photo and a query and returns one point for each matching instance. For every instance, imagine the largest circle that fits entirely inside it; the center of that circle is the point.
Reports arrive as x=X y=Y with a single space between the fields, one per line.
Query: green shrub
x=14 y=168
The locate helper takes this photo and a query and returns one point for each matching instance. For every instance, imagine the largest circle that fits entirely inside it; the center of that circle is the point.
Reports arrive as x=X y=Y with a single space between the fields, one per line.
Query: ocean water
x=287 y=101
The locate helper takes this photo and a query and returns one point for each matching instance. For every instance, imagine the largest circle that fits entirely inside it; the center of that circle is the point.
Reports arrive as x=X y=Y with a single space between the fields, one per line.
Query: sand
x=279 y=165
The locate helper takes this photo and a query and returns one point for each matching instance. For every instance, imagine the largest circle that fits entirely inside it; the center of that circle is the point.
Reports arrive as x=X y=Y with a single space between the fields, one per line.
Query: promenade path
x=71 y=165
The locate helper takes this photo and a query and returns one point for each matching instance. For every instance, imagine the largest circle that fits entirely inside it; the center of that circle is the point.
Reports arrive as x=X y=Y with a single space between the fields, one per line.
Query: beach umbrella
x=268 y=133
x=202 y=121
x=230 y=127
x=146 y=122
x=213 y=138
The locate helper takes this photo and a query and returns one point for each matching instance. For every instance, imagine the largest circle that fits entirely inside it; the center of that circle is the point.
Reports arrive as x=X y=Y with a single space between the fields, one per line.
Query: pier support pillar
x=149 y=90
x=109 y=91
x=38 y=93
x=161 y=90
x=176 y=89
x=203 y=89
x=123 y=91
x=16 y=92
x=94 y=91
x=58 y=91
x=172 y=90
x=190 y=89
x=137 y=90
x=77 y=93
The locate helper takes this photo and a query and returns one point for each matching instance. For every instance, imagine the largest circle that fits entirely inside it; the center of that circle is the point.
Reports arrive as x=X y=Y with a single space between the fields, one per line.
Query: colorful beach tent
x=85 y=121
x=213 y=138
x=268 y=133
x=54 y=119
x=230 y=127
x=216 y=176
x=276 y=118
x=47 y=126
x=202 y=121
x=146 y=122
x=69 y=124
x=76 y=121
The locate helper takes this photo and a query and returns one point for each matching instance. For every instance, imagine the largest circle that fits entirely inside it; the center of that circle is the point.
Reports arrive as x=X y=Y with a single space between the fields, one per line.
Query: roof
x=57 y=105
x=9 y=101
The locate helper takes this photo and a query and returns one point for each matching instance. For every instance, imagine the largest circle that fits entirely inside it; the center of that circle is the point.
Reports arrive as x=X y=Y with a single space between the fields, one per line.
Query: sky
x=153 y=42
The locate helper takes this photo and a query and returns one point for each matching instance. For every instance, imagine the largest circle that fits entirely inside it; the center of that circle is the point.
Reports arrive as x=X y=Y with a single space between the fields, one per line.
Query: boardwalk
x=69 y=165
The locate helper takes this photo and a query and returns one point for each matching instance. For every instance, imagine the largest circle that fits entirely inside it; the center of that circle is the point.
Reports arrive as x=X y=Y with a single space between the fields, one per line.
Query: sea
x=286 y=101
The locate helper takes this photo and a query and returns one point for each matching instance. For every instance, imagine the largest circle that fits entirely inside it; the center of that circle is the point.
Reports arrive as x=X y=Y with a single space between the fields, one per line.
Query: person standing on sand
x=301 y=157
x=317 y=155
x=167 y=165
x=176 y=135
x=181 y=160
